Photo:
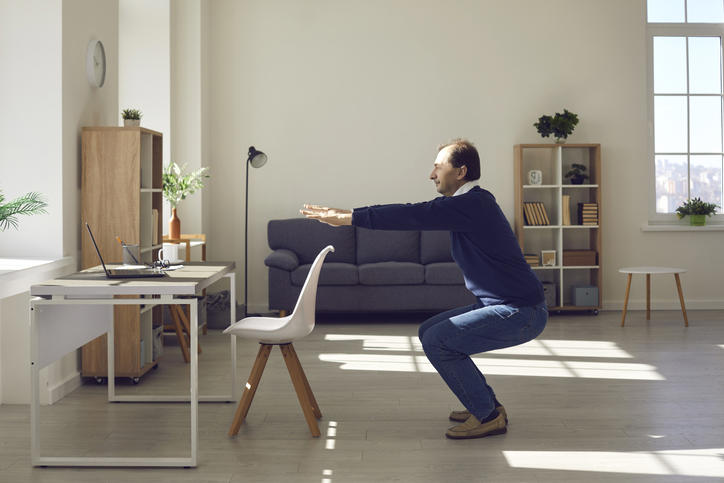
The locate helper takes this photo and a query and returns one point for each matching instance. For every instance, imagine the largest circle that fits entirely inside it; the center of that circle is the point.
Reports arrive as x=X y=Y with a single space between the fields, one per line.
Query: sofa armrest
x=283 y=259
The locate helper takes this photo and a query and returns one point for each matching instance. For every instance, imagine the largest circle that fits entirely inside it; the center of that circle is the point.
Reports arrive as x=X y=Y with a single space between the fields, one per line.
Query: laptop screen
x=96 y=247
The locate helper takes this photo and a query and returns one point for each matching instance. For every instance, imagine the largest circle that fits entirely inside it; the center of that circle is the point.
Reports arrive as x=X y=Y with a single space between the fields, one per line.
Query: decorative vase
x=131 y=122
x=577 y=180
x=174 y=225
x=560 y=140
x=697 y=220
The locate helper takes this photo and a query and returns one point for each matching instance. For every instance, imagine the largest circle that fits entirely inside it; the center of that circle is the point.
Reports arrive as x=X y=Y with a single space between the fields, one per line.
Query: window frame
x=675 y=30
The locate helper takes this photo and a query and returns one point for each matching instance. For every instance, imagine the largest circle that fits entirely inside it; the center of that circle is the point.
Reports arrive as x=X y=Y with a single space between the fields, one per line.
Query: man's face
x=447 y=177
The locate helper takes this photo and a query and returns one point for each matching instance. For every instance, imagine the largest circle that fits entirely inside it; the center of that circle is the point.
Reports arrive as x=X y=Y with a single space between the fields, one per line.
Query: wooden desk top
x=191 y=279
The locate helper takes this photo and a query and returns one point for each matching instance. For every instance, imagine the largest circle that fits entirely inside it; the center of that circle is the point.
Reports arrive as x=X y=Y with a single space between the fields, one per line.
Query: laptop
x=124 y=272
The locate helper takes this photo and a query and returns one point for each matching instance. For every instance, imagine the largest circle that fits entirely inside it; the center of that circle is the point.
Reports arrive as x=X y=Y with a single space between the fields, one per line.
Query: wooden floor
x=588 y=401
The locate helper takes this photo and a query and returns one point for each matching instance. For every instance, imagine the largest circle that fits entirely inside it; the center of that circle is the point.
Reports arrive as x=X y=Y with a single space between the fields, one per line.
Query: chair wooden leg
x=310 y=394
x=180 y=334
x=185 y=322
x=282 y=313
x=251 y=385
x=297 y=379
x=681 y=299
x=625 y=300
x=648 y=296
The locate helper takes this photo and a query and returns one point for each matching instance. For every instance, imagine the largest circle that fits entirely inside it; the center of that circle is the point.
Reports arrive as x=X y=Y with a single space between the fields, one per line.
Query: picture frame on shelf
x=548 y=258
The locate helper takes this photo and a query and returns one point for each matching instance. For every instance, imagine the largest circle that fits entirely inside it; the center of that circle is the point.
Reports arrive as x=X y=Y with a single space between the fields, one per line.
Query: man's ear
x=463 y=172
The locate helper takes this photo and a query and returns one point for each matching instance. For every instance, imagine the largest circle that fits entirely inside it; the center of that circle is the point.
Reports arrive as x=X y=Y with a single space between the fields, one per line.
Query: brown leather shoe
x=472 y=428
x=462 y=416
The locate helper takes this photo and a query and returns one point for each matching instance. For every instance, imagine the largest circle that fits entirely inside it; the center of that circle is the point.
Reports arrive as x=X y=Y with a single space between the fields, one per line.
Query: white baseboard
x=64 y=387
x=667 y=304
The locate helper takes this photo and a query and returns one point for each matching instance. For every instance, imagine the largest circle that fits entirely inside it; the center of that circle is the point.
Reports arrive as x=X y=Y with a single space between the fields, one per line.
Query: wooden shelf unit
x=121 y=185
x=554 y=160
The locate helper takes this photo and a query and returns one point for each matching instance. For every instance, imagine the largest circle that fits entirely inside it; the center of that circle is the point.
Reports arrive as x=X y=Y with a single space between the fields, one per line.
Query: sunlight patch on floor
x=380 y=342
x=542 y=347
x=696 y=462
x=499 y=366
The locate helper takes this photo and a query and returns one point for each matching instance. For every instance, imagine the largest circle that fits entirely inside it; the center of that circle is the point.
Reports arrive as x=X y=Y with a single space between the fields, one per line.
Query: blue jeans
x=450 y=338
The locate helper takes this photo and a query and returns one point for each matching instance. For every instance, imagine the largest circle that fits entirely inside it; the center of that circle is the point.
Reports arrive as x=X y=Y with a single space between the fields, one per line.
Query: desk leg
x=34 y=390
x=193 y=308
x=232 y=314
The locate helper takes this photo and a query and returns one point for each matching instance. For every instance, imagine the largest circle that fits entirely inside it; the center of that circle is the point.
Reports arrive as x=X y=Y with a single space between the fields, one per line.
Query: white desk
x=67 y=312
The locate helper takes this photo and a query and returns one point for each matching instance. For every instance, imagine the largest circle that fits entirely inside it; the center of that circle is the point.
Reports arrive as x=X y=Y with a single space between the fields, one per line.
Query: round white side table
x=648 y=271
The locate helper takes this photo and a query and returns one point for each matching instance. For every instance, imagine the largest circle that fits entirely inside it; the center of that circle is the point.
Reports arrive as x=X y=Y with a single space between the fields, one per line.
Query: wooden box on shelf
x=121 y=196
x=578 y=245
x=579 y=258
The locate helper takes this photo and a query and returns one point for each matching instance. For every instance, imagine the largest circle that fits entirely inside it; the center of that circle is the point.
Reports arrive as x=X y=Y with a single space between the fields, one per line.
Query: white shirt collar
x=465 y=188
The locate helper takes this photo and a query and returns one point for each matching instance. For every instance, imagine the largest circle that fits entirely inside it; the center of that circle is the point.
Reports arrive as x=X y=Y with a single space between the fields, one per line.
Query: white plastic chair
x=282 y=331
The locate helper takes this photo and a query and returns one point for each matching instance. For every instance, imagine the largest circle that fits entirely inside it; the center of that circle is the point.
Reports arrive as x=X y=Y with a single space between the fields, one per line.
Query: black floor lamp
x=257 y=159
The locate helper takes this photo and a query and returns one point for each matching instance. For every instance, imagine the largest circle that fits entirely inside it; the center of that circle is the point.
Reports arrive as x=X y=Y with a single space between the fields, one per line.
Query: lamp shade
x=257 y=159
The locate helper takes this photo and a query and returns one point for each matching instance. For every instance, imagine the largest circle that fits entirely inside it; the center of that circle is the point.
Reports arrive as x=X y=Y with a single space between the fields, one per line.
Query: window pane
x=671 y=182
x=705 y=124
x=670 y=124
x=704 y=65
x=705 y=173
x=705 y=11
x=665 y=10
x=670 y=65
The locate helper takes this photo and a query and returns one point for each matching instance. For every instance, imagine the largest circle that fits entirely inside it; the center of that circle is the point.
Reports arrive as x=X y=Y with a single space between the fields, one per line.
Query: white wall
x=188 y=19
x=83 y=104
x=144 y=70
x=30 y=127
x=350 y=99
x=44 y=44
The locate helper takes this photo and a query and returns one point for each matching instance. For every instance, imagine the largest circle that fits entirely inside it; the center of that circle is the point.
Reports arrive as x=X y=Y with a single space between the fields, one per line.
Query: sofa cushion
x=282 y=258
x=331 y=274
x=307 y=238
x=391 y=273
x=387 y=246
x=435 y=247
x=446 y=273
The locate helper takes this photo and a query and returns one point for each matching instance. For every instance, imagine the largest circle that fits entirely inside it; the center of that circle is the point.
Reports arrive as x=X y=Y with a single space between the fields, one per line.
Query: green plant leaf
x=29 y=204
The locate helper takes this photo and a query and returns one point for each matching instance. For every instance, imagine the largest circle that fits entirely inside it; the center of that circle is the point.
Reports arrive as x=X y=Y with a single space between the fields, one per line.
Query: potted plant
x=697 y=211
x=28 y=204
x=576 y=173
x=177 y=185
x=131 y=117
x=560 y=125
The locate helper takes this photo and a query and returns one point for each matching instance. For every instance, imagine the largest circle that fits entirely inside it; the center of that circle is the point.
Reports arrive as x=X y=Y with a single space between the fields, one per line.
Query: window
x=687 y=104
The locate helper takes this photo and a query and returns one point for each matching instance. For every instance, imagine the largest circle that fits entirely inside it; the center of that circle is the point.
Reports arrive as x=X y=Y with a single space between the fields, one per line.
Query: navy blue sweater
x=483 y=244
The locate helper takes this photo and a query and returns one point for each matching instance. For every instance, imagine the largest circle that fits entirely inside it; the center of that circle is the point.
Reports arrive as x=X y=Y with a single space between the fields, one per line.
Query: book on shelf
x=566 y=209
x=588 y=214
x=535 y=213
x=532 y=259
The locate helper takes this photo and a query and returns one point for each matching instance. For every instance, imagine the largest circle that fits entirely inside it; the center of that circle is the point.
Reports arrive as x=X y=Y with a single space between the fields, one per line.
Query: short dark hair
x=463 y=153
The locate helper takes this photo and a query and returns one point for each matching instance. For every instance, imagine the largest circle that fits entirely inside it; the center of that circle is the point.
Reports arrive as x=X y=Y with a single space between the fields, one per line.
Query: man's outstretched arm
x=330 y=216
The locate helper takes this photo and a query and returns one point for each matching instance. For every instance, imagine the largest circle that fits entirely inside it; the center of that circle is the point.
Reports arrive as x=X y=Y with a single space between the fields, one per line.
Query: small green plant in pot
x=576 y=173
x=131 y=117
x=696 y=210
x=28 y=204
x=177 y=185
x=560 y=125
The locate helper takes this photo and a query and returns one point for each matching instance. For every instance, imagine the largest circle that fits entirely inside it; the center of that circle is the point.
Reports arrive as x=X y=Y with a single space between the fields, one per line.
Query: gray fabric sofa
x=369 y=271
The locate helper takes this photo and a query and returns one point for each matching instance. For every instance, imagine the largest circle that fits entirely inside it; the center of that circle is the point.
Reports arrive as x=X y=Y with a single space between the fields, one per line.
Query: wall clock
x=95 y=65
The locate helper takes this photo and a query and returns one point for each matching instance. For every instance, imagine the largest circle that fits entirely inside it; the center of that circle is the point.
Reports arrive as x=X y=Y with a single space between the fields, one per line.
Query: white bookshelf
x=554 y=160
